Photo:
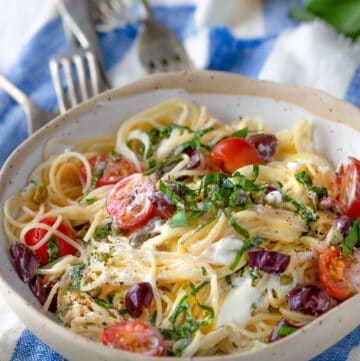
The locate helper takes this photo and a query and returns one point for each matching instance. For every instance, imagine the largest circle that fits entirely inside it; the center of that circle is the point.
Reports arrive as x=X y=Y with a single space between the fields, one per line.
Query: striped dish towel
x=251 y=37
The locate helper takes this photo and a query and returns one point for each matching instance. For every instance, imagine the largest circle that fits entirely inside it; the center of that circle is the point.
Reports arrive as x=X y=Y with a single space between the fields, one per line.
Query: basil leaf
x=103 y=303
x=251 y=243
x=241 y=133
x=286 y=330
x=343 y=15
x=76 y=276
x=306 y=213
x=305 y=179
x=352 y=238
x=104 y=232
x=232 y=221
x=53 y=250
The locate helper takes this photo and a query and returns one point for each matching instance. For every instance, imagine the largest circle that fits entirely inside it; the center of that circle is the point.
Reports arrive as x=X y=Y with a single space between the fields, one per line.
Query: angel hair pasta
x=186 y=236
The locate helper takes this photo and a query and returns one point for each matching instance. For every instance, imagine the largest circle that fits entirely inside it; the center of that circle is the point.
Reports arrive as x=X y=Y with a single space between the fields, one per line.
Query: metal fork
x=159 y=48
x=81 y=68
x=36 y=117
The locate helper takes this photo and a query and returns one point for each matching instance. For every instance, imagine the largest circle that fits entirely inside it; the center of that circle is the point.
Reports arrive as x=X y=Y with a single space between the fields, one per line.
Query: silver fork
x=159 y=48
x=36 y=117
x=81 y=68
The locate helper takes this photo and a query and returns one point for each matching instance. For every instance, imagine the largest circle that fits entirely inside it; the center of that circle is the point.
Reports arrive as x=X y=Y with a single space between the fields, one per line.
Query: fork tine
x=94 y=75
x=81 y=71
x=69 y=81
x=59 y=90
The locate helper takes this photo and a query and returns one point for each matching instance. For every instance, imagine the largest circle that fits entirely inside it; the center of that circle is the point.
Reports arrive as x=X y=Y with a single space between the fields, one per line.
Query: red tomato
x=129 y=203
x=348 y=187
x=114 y=170
x=335 y=273
x=134 y=336
x=35 y=235
x=232 y=153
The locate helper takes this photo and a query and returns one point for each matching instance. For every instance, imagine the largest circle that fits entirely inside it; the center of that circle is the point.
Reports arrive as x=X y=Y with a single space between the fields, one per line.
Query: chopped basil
x=232 y=221
x=190 y=324
x=251 y=243
x=254 y=274
x=105 y=231
x=203 y=271
x=241 y=133
x=123 y=311
x=76 y=276
x=53 y=250
x=90 y=200
x=153 y=318
x=352 y=238
x=94 y=178
x=104 y=304
x=115 y=156
x=286 y=330
x=234 y=345
x=306 y=213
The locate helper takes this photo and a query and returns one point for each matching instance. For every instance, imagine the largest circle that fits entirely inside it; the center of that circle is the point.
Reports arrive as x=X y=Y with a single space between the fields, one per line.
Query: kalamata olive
x=270 y=188
x=343 y=224
x=164 y=207
x=265 y=144
x=268 y=261
x=41 y=290
x=25 y=261
x=328 y=203
x=282 y=329
x=138 y=297
x=195 y=158
x=309 y=299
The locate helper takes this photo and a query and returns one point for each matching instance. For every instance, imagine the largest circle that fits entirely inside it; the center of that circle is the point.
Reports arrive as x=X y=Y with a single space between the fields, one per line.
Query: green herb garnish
x=53 y=250
x=76 y=276
x=241 y=133
x=104 y=304
x=306 y=213
x=153 y=318
x=352 y=238
x=104 y=232
x=286 y=330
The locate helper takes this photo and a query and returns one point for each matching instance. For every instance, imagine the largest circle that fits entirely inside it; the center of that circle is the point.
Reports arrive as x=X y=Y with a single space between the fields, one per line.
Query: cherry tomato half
x=129 y=203
x=348 y=187
x=134 y=336
x=232 y=153
x=35 y=235
x=116 y=168
x=335 y=273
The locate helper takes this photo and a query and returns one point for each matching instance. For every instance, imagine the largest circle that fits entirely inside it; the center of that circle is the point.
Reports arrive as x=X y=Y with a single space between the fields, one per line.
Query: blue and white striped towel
x=251 y=37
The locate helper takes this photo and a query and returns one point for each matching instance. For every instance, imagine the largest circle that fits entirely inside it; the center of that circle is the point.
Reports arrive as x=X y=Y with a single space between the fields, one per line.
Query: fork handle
x=77 y=15
x=16 y=93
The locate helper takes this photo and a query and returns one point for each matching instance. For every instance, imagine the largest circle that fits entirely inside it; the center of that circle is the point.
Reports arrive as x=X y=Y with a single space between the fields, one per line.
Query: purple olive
x=25 y=260
x=343 y=224
x=270 y=188
x=268 y=261
x=164 y=207
x=138 y=297
x=265 y=144
x=309 y=299
x=195 y=158
x=41 y=291
x=277 y=334
x=330 y=204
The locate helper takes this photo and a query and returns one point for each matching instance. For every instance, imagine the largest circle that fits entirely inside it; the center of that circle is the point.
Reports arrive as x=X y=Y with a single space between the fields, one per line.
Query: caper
x=286 y=279
x=40 y=194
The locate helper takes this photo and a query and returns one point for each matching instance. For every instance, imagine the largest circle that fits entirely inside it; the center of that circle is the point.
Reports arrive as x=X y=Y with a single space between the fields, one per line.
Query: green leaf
x=306 y=213
x=104 y=232
x=104 y=304
x=251 y=243
x=153 y=318
x=286 y=330
x=232 y=221
x=305 y=179
x=53 y=250
x=352 y=238
x=241 y=133
x=343 y=15
x=76 y=276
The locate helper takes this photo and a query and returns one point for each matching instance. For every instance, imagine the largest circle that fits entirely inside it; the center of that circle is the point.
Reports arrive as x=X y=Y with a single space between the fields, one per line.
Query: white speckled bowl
x=336 y=133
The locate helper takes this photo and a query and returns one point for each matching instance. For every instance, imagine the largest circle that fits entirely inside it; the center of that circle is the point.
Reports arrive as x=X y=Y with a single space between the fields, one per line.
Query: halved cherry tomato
x=116 y=168
x=348 y=187
x=232 y=153
x=335 y=273
x=134 y=336
x=35 y=235
x=129 y=203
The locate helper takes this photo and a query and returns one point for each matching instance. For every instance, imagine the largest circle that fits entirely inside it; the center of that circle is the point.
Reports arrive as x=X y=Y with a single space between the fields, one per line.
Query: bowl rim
x=209 y=82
